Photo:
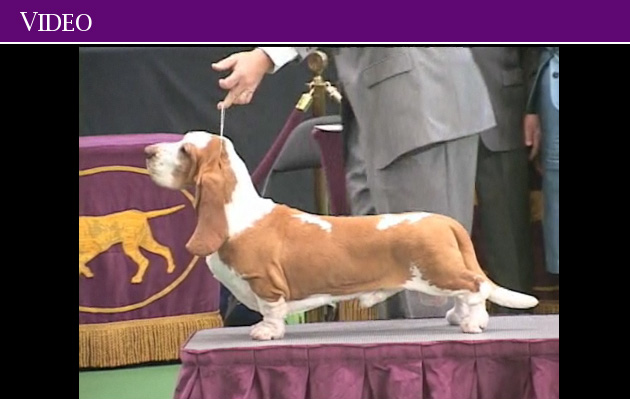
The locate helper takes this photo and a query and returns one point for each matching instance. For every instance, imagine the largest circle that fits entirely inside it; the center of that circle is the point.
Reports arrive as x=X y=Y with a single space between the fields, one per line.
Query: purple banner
x=132 y=234
x=208 y=21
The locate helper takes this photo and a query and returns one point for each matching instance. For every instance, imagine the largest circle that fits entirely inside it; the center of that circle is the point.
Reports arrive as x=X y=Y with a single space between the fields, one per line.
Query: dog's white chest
x=232 y=281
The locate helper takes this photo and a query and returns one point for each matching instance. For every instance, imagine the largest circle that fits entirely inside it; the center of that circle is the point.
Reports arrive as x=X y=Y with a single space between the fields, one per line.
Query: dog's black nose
x=150 y=151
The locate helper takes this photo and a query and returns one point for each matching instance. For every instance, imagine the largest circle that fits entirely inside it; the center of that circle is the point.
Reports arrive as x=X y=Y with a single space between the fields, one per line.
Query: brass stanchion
x=319 y=91
x=318 y=62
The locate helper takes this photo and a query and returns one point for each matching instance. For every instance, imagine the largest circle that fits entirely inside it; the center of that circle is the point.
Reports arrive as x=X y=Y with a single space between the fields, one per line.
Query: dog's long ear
x=212 y=230
x=190 y=162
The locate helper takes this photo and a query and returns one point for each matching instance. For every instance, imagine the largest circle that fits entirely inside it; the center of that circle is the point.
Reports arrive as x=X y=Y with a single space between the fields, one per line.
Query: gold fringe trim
x=139 y=341
x=351 y=311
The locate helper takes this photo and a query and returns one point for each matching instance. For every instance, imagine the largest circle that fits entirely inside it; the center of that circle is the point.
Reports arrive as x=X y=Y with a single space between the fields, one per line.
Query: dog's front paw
x=475 y=323
x=470 y=327
x=265 y=331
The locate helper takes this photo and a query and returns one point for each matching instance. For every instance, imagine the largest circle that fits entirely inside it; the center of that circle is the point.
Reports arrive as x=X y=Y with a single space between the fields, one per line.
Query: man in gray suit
x=544 y=119
x=502 y=169
x=411 y=125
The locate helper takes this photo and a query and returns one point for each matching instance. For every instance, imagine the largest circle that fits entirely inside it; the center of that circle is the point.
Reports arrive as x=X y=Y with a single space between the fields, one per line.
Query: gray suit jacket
x=506 y=71
x=409 y=97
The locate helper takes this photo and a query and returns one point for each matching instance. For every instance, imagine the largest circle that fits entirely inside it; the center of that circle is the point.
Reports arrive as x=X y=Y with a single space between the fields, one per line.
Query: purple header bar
x=338 y=21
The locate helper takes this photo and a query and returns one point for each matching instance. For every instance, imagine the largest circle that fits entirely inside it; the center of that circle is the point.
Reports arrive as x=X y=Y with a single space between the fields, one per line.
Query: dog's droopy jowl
x=279 y=260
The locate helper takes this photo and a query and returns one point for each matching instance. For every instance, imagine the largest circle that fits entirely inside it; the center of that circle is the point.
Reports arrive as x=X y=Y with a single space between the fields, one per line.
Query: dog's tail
x=497 y=294
x=163 y=212
x=511 y=299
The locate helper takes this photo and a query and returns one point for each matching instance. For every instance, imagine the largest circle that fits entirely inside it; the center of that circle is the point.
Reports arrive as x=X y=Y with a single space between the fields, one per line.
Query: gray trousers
x=438 y=178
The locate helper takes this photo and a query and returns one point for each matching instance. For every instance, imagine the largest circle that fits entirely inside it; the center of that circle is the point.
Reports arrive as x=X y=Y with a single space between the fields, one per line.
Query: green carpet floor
x=151 y=382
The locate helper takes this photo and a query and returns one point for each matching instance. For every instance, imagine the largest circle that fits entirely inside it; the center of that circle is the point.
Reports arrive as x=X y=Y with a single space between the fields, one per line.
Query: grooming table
x=516 y=358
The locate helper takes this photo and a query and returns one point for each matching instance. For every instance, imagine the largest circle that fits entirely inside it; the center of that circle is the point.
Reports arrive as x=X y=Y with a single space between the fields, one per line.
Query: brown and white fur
x=278 y=260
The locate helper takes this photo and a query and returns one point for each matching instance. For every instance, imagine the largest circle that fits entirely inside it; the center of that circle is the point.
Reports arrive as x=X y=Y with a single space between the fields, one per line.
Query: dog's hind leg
x=477 y=318
x=272 y=326
x=459 y=312
x=149 y=243
x=133 y=251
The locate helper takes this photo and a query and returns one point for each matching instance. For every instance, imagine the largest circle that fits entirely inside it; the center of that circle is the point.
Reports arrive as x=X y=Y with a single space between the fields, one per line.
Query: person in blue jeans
x=542 y=130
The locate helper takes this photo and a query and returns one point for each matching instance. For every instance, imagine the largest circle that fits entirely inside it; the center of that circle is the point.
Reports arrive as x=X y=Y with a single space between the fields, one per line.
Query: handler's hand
x=248 y=69
x=532 y=130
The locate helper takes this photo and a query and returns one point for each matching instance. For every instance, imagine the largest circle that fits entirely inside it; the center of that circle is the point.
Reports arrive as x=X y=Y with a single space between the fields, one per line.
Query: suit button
x=556 y=75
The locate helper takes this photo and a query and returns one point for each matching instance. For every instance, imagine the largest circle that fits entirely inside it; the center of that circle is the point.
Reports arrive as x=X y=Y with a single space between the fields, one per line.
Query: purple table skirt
x=517 y=358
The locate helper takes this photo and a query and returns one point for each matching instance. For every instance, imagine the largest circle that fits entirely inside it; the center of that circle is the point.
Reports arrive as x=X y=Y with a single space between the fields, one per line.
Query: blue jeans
x=550 y=153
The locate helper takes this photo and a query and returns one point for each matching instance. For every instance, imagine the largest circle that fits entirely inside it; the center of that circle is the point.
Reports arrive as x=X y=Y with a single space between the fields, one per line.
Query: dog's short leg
x=149 y=243
x=133 y=252
x=272 y=325
x=458 y=313
x=477 y=319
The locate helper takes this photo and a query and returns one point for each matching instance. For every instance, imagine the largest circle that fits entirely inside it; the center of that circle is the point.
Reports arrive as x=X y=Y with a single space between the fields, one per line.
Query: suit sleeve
x=280 y=56
x=305 y=51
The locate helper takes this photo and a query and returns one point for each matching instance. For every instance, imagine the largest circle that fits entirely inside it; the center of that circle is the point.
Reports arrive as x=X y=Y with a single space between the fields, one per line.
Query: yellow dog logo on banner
x=129 y=228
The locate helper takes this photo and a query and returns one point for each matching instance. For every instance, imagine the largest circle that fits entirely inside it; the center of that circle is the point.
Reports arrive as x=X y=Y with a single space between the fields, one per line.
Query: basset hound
x=278 y=260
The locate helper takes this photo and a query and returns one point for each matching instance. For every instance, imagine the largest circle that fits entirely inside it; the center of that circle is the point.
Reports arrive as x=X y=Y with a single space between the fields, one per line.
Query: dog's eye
x=186 y=149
